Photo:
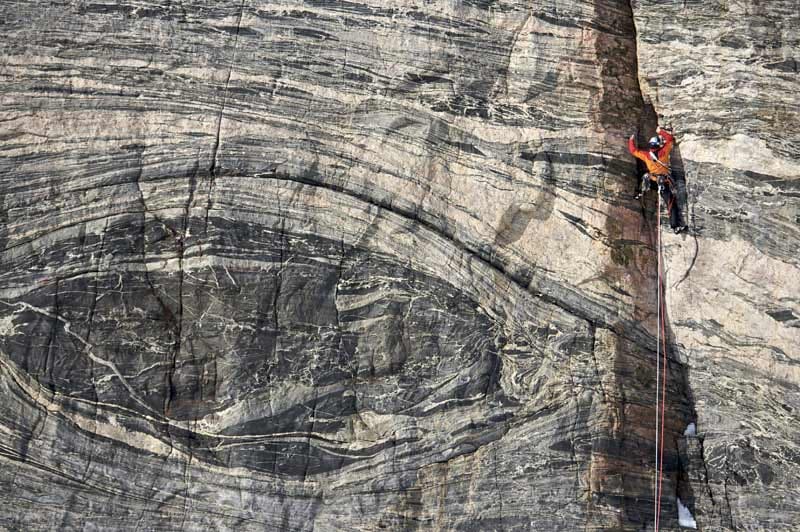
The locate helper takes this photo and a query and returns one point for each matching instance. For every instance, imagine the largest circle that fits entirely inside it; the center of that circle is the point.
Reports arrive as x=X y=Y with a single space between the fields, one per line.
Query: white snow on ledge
x=685 y=518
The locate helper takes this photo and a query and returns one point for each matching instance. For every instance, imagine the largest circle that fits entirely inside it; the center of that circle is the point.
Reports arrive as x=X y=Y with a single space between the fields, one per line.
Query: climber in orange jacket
x=659 y=172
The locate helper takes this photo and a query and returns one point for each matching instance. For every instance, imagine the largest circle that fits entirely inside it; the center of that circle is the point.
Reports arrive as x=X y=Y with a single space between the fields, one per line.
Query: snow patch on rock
x=685 y=517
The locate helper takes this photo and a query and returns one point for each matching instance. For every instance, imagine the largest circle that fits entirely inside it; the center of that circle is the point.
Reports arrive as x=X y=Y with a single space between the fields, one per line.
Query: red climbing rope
x=661 y=376
x=656 y=486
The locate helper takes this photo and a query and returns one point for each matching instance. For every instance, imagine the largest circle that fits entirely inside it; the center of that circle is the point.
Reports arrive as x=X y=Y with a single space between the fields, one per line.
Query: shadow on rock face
x=518 y=216
x=630 y=431
x=514 y=223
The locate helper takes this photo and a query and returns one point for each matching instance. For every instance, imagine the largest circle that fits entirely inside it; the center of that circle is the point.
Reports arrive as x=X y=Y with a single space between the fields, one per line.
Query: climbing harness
x=660 y=179
x=661 y=376
x=666 y=180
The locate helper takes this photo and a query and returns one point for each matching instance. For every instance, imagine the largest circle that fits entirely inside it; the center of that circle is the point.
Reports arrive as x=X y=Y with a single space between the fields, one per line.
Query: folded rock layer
x=358 y=266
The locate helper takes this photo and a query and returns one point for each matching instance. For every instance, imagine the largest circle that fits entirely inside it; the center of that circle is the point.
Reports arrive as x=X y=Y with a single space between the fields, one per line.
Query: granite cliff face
x=359 y=266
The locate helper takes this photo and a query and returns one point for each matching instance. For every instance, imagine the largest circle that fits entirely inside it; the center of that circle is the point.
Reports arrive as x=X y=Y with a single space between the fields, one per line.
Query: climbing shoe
x=679 y=229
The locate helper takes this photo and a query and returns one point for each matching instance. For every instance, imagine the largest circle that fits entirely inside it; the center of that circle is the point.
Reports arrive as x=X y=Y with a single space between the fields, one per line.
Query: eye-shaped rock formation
x=378 y=266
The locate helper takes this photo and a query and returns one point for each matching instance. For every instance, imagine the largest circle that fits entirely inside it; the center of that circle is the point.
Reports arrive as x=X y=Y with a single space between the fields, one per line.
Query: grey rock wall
x=359 y=266
x=725 y=74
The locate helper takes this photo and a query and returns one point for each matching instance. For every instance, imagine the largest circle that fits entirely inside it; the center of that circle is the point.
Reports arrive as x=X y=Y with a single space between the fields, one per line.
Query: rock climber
x=659 y=173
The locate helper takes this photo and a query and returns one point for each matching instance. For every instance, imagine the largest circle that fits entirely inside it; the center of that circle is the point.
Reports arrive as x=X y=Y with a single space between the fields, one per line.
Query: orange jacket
x=654 y=167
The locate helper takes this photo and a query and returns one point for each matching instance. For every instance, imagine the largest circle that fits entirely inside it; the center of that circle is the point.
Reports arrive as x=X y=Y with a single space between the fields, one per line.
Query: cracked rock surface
x=730 y=86
x=360 y=266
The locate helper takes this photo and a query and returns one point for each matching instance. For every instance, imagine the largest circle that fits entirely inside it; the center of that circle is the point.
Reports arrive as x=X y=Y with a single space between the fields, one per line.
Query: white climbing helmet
x=656 y=142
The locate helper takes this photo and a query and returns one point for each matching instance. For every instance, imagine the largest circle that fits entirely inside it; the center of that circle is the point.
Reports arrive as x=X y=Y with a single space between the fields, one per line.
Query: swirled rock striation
x=378 y=266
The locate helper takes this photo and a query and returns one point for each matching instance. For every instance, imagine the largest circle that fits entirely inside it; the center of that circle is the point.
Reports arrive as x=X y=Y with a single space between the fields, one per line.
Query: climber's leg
x=671 y=202
x=644 y=186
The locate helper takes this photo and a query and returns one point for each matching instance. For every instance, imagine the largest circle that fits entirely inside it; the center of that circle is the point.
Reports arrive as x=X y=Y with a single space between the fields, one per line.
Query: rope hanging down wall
x=661 y=375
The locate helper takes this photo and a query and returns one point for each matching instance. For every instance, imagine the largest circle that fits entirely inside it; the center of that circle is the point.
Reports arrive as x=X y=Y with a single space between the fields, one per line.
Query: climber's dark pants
x=669 y=199
x=671 y=202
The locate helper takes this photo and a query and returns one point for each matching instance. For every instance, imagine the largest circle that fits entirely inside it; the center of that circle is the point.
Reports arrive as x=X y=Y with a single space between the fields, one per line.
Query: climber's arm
x=669 y=139
x=636 y=152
